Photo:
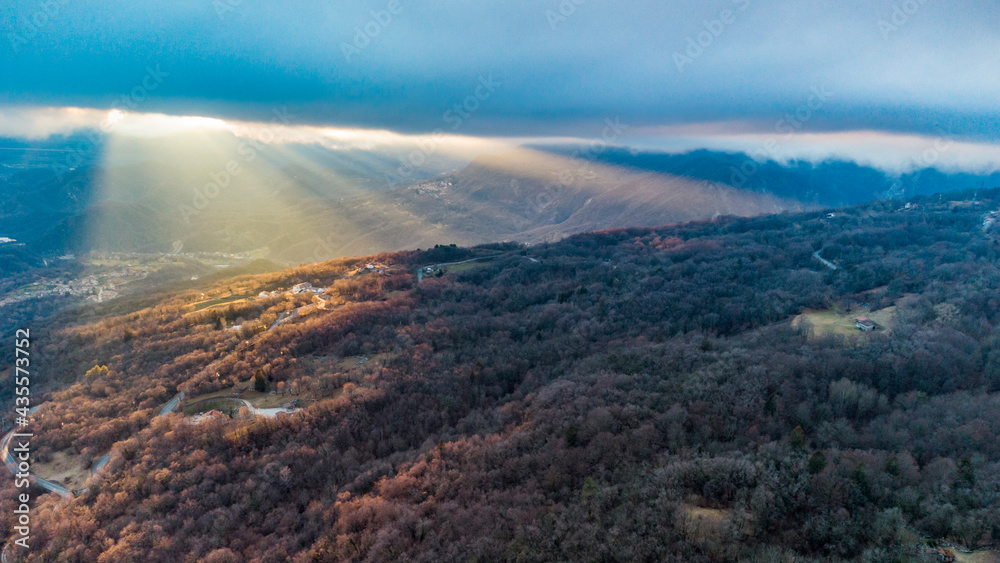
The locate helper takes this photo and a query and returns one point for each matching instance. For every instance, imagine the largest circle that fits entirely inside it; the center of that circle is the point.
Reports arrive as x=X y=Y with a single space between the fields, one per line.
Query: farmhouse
x=865 y=324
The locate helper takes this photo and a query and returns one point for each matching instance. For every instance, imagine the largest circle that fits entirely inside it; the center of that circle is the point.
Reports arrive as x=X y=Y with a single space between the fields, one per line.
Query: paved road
x=99 y=465
x=825 y=262
x=169 y=407
x=11 y=462
x=269 y=413
x=278 y=321
x=288 y=315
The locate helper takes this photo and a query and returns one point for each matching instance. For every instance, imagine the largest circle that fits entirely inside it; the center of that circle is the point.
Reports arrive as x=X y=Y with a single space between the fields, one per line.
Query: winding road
x=825 y=262
x=169 y=407
x=11 y=462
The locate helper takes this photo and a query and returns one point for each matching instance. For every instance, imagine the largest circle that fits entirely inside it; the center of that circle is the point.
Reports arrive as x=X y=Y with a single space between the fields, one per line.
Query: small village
x=321 y=297
x=110 y=271
x=95 y=288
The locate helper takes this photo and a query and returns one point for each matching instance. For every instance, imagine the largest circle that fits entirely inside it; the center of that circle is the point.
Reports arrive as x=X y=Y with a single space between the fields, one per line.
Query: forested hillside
x=830 y=183
x=684 y=393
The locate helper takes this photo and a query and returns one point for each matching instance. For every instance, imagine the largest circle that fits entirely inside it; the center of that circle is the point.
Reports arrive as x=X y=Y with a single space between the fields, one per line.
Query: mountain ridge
x=704 y=381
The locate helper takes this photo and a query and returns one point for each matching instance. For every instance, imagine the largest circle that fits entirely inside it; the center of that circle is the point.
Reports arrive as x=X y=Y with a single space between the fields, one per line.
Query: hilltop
x=679 y=393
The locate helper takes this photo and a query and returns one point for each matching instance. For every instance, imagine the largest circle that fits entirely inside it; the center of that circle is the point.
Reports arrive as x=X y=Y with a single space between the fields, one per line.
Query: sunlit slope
x=532 y=196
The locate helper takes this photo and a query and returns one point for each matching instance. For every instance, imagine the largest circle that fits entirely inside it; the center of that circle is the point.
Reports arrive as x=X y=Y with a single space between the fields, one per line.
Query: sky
x=734 y=72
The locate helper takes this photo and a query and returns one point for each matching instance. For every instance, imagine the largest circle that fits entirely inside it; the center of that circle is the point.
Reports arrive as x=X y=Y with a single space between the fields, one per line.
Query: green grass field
x=222 y=301
x=462 y=267
x=832 y=322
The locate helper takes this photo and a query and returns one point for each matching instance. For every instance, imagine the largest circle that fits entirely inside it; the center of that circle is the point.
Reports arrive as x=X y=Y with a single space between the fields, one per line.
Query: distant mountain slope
x=305 y=213
x=832 y=184
x=312 y=205
x=533 y=196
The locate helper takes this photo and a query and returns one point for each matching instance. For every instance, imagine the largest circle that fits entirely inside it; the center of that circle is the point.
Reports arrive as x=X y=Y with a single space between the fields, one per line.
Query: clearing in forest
x=974 y=557
x=221 y=302
x=831 y=322
x=62 y=469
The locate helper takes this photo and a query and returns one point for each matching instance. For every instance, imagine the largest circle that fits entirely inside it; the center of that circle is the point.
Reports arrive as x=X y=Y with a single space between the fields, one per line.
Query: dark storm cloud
x=554 y=66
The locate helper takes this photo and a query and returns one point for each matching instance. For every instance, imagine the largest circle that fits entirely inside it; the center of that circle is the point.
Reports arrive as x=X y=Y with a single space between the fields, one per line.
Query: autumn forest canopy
x=699 y=392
